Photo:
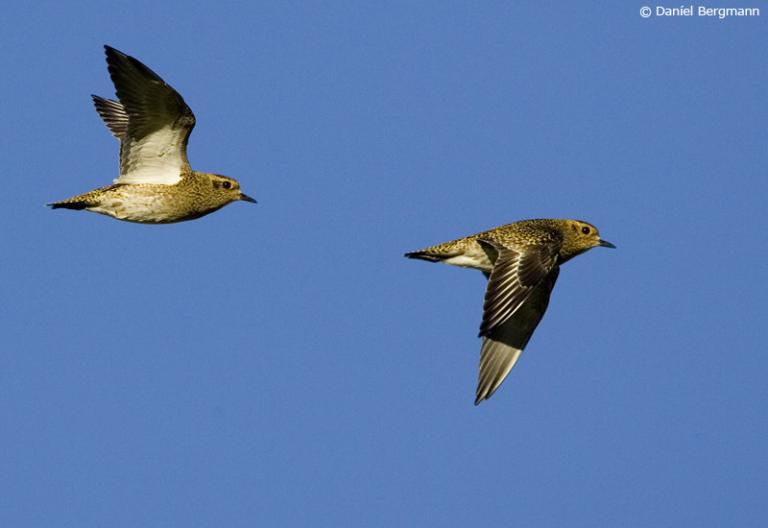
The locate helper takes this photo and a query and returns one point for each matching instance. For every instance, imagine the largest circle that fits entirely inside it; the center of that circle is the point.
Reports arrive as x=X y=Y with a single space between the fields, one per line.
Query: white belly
x=474 y=257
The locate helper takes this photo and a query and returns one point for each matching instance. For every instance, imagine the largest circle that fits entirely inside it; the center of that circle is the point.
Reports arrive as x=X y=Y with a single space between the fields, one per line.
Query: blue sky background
x=283 y=365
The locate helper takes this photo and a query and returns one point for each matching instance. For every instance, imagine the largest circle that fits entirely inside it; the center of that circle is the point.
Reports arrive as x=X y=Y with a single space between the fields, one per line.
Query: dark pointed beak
x=605 y=243
x=244 y=197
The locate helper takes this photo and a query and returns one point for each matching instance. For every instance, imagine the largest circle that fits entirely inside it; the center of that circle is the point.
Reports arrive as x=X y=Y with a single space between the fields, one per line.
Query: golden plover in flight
x=156 y=184
x=521 y=262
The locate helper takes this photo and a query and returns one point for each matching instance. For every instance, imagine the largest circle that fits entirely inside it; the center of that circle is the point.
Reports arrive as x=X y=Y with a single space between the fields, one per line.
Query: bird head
x=580 y=236
x=226 y=189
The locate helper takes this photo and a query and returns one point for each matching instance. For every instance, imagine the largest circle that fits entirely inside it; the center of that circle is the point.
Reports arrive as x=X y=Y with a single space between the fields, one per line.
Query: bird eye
x=585 y=230
x=226 y=185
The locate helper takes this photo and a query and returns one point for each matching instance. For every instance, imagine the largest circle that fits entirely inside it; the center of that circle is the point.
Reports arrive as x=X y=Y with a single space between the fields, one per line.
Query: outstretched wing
x=504 y=344
x=154 y=140
x=515 y=273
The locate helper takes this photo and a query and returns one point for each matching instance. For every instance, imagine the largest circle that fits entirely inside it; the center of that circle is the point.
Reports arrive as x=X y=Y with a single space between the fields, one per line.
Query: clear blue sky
x=283 y=365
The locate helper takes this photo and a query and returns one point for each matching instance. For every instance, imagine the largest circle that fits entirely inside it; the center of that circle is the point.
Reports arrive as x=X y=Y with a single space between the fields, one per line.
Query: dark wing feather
x=516 y=272
x=113 y=114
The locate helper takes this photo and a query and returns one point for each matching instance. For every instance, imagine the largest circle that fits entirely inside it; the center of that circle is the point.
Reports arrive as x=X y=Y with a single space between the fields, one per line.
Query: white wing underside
x=156 y=158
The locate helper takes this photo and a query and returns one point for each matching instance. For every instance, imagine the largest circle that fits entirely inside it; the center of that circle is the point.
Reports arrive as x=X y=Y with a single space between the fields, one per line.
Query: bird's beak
x=244 y=197
x=605 y=243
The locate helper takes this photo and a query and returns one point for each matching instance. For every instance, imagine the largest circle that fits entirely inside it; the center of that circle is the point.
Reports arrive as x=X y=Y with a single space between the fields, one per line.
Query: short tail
x=79 y=205
x=423 y=255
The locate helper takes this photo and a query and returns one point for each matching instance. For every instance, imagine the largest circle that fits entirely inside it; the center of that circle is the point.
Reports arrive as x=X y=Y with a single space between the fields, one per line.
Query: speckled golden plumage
x=196 y=194
x=521 y=261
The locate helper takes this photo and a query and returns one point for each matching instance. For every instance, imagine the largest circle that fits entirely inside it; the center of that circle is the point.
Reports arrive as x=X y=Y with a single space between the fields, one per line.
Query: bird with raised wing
x=521 y=262
x=156 y=185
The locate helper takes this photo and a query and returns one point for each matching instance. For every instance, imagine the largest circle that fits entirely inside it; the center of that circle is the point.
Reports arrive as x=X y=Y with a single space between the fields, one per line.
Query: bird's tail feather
x=423 y=255
x=77 y=205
